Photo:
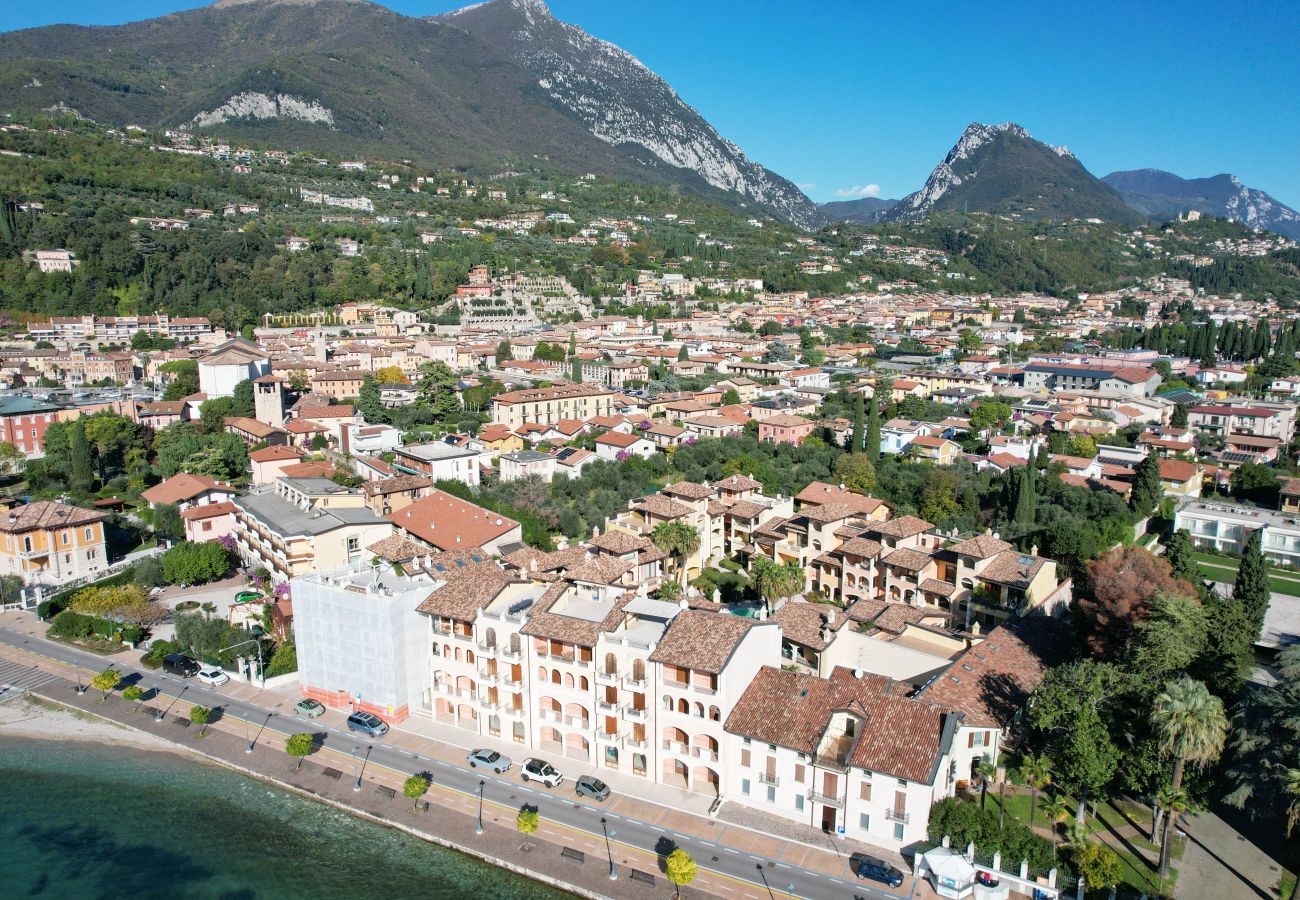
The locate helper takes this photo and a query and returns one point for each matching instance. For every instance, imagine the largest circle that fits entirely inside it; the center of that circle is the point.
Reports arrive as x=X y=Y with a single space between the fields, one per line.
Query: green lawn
x=1223 y=568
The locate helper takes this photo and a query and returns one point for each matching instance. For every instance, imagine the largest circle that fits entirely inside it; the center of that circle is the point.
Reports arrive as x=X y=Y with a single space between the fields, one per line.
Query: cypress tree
x=80 y=464
x=858 y=438
x=1147 y=491
x=1251 y=588
x=1179 y=418
x=1229 y=640
x=873 y=428
x=573 y=344
x=1181 y=556
x=575 y=371
x=1026 y=496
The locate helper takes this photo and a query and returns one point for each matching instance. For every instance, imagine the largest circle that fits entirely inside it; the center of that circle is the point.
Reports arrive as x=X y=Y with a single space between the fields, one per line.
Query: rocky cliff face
x=1163 y=195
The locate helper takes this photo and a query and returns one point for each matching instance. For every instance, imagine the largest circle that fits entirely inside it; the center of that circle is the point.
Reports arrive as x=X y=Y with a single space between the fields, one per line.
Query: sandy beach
x=32 y=717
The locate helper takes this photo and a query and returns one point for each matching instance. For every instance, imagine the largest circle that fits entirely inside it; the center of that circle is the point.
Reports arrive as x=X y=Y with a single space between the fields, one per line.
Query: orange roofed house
x=49 y=542
x=785 y=429
x=445 y=522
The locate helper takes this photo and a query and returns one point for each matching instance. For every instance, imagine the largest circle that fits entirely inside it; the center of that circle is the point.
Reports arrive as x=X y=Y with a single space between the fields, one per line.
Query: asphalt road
x=507 y=792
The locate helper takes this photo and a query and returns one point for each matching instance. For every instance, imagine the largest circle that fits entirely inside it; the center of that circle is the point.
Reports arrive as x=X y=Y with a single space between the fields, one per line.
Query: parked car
x=543 y=771
x=590 y=786
x=367 y=723
x=246 y=596
x=312 y=709
x=489 y=759
x=877 y=870
x=211 y=675
x=179 y=664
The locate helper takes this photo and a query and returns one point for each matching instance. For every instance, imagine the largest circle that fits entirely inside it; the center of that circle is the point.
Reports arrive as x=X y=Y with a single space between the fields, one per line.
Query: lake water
x=82 y=820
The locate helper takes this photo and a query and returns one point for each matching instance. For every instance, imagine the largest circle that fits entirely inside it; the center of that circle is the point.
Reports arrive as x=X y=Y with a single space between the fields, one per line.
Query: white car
x=211 y=675
x=541 y=770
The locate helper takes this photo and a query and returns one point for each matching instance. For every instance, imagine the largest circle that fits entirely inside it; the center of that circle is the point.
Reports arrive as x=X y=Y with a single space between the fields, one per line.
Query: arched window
x=555 y=676
x=491 y=637
x=568 y=679
x=699 y=710
x=458 y=655
x=684 y=707
x=583 y=682
x=715 y=714
x=611 y=664
x=469 y=657
x=638 y=670
x=668 y=702
x=516 y=643
x=541 y=673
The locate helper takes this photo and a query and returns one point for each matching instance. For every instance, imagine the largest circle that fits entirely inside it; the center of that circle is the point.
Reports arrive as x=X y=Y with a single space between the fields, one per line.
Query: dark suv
x=179 y=664
x=877 y=870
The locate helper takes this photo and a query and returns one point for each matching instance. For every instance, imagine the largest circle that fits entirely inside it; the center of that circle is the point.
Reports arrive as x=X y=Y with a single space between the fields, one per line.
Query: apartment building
x=300 y=525
x=1226 y=528
x=23 y=422
x=548 y=405
x=439 y=461
x=49 y=542
x=1277 y=421
x=1045 y=377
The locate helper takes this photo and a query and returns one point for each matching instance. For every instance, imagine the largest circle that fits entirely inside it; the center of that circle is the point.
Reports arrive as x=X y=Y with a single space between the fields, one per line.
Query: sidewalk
x=682 y=813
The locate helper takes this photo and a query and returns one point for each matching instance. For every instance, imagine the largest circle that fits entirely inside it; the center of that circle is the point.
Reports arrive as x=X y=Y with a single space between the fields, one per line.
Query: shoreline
x=38 y=717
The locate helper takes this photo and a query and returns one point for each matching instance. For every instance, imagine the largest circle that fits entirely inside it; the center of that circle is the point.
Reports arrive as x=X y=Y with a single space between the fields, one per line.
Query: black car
x=179 y=664
x=877 y=870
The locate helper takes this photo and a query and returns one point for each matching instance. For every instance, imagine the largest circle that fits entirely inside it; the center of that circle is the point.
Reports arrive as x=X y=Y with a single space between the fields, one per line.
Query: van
x=179 y=664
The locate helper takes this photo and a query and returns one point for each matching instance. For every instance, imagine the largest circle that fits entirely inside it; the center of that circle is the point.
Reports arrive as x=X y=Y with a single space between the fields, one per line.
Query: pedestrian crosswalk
x=16 y=679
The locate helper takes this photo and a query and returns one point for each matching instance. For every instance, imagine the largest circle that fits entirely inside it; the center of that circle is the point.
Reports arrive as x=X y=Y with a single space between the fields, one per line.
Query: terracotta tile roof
x=991 y=681
x=1178 y=470
x=395 y=485
x=828 y=512
x=745 y=509
x=398 y=548
x=274 y=454
x=981 y=546
x=447 y=522
x=659 y=505
x=911 y=560
x=468 y=585
x=899 y=736
x=897 y=616
x=785 y=420
x=1291 y=487
x=183 y=486
x=702 y=641
x=619 y=542
x=1006 y=460
x=317 y=411
x=619 y=439
x=688 y=490
x=859 y=546
x=1013 y=568
x=305 y=426
x=600 y=570
x=208 y=511
x=803 y=622
x=907 y=526
x=251 y=426
x=866 y=610
x=738 y=483
x=935 y=586
x=556 y=626
x=47 y=514
x=538 y=564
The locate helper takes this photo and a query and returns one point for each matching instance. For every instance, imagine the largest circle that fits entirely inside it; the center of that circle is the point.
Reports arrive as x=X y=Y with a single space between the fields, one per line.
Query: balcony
x=607 y=678
x=825 y=799
x=634 y=684
x=513 y=712
x=897 y=815
x=607 y=732
x=606 y=707
x=448 y=689
x=551 y=715
x=704 y=753
x=486 y=650
x=769 y=778
x=487 y=678
x=511 y=682
x=632 y=714
x=577 y=722
x=676 y=747
x=505 y=654
x=467 y=694
x=635 y=743
x=704 y=689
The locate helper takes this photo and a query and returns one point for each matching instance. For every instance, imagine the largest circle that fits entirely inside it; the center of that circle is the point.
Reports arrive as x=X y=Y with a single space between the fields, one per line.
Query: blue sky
x=853 y=98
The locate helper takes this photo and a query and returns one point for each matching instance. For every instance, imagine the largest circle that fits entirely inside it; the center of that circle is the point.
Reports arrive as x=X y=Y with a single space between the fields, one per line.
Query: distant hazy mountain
x=621 y=102
x=1163 y=195
x=1001 y=169
x=500 y=84
x=864 y=211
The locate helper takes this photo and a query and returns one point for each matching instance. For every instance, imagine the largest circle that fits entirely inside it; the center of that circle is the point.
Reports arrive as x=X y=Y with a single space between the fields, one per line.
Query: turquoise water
x=81 y=820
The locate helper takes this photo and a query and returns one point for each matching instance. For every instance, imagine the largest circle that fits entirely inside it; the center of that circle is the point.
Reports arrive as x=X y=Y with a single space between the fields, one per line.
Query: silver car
x=488 y=759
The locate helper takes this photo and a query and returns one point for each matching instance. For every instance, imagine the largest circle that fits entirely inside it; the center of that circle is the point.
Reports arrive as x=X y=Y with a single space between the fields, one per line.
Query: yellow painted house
x=52 y=542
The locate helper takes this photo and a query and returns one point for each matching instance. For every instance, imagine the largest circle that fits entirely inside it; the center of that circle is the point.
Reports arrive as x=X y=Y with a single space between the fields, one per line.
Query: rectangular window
x=864 y=821
x=798 y=802
x=90 y=534
x=638 y=763
x=66 y=538
x=898 y=831
x=865 y=792
x=744 y=758
x=207 y=526
x=771 y=794
x=744 y=786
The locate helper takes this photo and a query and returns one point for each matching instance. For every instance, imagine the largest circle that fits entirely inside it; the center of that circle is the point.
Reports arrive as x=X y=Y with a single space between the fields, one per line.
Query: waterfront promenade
x=570 y=848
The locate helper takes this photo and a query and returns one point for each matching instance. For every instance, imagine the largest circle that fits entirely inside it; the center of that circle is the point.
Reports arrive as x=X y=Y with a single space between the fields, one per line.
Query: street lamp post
x=361 y=771
x=479 y=828
x=261 y=665
x=81 y=688
x=248 y=741
x=609 y=849
x=357 y=786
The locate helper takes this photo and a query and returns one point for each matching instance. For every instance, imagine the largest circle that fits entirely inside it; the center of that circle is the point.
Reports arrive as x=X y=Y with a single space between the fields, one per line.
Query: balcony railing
x=488 y=677
x=505 y=654
x=704 y=753
x=577 y=722
x=634 y=714
x=767 y=778
x=636 y=684
x=825 y=799
x=897 y=815
x=636 y=743
x=551 y=715
x=676 y=747
x=607 y=707
x=486 y=649
x=513 y=683
x=608 y=678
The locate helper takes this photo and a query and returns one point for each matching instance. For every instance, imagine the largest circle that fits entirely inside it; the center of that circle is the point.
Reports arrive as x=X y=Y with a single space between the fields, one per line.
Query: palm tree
x=773 y=582
x=1291 y=781
x=985 y=771
x=1174 y=802
x=1192 y=728
x=1037 y=773
x=1056 y=808
x=677 y=539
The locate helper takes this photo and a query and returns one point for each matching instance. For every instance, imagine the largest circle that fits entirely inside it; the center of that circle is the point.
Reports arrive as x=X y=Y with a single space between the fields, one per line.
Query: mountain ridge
x=354 y=77
x=1161 y=194
x=1002 y=169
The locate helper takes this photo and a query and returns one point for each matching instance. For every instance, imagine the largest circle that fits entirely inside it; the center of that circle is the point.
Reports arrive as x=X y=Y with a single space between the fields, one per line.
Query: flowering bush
x=228 y=541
